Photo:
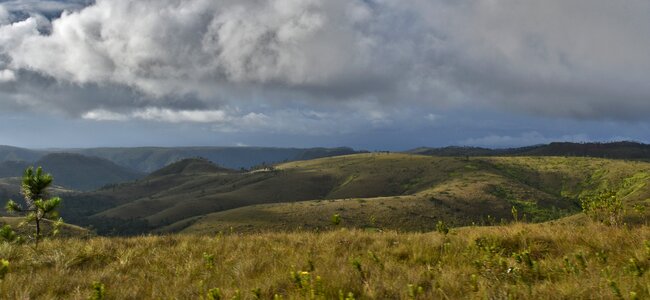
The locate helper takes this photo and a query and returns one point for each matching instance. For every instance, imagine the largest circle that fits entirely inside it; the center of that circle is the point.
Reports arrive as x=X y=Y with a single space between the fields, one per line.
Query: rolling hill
x=74 y=171
x=10 y=153
x=393 y=191
x=10 y=189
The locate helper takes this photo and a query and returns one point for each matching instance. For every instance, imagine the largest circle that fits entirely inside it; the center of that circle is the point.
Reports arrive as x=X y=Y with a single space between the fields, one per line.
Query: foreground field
x=549 y=260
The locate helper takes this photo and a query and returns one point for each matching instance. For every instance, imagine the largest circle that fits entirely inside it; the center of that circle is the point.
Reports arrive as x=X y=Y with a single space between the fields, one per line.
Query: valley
x=375 y=190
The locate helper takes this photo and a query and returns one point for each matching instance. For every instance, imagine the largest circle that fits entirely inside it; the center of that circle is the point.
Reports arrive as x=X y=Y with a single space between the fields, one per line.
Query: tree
x=34 y=188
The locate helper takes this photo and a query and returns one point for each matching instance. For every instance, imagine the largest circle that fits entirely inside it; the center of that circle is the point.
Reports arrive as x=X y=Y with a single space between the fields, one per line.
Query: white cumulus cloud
x=160 y=115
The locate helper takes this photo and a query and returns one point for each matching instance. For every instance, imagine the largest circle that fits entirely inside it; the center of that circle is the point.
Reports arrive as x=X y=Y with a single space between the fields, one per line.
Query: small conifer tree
x=39 y=207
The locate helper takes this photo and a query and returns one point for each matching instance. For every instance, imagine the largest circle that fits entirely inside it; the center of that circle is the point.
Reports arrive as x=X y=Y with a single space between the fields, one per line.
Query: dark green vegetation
x=375 y=191
x=617 y=150
x=39 y=207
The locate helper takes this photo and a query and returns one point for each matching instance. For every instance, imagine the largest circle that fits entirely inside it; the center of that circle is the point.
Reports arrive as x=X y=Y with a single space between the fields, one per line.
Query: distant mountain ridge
x=614 y=150
x=88 y=169
x=74 y=171
x=10 y=153
x=149 y=159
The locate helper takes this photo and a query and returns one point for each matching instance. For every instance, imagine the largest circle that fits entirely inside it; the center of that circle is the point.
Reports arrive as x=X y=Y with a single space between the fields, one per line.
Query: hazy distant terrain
x=149 y=159
x=74 y=171
x=88 y=169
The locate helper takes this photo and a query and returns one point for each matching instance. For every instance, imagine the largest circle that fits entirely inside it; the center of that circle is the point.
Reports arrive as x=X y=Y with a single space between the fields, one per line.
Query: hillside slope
x=10 y=153
x=25 y=230
x=478 y=191
x=410 y=192
x=10 y=189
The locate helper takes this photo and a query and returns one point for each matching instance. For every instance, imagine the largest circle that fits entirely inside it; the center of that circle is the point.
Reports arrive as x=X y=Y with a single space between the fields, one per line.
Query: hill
x=149 y=159
x=89 y=169
x=10 y=189
x=458 y=192
x=399 y=191
x=615 y=150
x=74 y=171
x=190 y=166
x=9 y=153
x=13 y=168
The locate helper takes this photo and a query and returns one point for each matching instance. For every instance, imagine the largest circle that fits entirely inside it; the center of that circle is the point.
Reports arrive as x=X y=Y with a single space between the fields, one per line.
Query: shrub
x=214 y=294
x=442 y=227
x=7 y=234
x=4 y=268
x=605 y=207
x=99 y=291
x=336 y=219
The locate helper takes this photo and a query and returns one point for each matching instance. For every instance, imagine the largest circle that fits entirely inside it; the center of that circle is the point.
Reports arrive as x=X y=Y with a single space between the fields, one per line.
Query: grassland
x=518 y=261
x=409 y=193
x=268 y=234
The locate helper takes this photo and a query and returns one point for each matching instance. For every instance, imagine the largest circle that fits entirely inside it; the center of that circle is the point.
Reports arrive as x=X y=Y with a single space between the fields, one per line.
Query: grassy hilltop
x=388 y=191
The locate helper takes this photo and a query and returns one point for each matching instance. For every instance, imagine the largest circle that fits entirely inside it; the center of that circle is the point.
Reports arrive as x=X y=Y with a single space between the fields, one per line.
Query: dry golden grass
x=522 y=261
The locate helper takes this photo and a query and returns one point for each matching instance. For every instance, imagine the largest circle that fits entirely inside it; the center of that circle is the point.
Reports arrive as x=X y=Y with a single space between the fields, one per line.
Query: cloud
x=49 y=8
x=7 y=76
x=558 y=58
x=200 y=46
x=159 y=115
x=104 y=115
x=4 y=16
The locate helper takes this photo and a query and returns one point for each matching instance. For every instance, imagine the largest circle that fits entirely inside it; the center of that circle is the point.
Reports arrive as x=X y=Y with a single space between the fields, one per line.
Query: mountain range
x=88 y=169
x=614 y=150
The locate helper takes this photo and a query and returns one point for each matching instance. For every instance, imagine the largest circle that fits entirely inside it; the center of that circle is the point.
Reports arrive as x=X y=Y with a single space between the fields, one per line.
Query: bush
x=605 y=207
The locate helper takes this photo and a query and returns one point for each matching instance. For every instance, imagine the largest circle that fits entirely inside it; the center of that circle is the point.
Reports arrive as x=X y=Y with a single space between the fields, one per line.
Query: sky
x=369 y=74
